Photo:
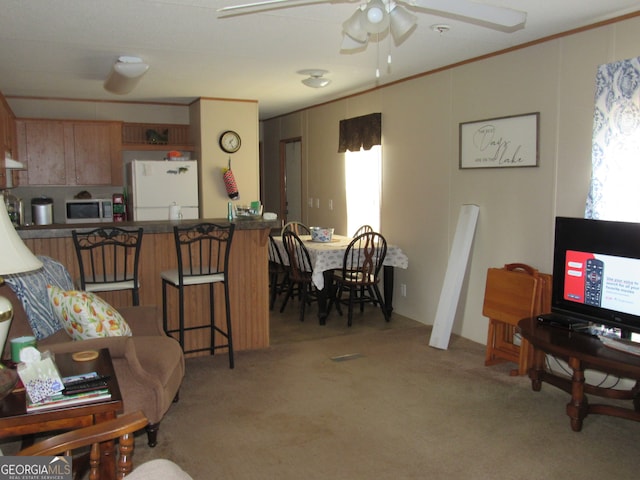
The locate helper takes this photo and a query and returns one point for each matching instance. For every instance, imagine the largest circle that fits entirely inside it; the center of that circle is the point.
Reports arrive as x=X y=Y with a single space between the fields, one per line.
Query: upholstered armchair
x=149 y=365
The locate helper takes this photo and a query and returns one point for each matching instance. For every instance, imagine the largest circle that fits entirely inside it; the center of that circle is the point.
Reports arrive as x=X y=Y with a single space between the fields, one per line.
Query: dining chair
x=363 y=229
x=108 y=259
x=203 y=259
x=360 y=231
x=277 y=272
x=360 y=271
x=299 y=272
x=298 y=228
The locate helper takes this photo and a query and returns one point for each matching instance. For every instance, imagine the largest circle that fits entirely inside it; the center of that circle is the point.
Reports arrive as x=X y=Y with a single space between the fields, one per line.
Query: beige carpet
x=393 y=408
x=389 y=407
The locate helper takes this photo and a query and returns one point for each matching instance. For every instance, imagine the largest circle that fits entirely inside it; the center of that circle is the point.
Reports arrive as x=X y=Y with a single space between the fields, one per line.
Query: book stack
x=79 y=389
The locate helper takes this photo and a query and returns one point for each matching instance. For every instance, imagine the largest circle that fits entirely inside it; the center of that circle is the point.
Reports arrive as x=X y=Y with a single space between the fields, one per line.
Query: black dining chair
x=360 y=273
x=298 y=228
x=299 y=272
x=278 y=274
x=203 y=259
x=108 y=259
x=363 y=229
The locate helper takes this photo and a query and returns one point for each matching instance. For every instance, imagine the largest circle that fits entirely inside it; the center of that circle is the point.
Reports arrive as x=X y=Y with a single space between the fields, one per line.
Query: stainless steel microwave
x=89 y=210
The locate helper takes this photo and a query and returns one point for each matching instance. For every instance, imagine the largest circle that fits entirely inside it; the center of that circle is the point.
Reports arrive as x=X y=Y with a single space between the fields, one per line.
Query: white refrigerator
x=159 y=188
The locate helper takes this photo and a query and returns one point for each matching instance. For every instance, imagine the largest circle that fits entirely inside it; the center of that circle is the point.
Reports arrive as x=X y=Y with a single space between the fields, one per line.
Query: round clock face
x=230 y=141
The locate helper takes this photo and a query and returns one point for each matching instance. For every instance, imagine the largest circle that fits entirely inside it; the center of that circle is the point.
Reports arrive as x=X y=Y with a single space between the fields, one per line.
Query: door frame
x=283 y=175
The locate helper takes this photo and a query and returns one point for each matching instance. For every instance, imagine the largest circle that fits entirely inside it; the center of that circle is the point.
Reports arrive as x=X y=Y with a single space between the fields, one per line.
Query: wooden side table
x=581 y=351
x=15 y=421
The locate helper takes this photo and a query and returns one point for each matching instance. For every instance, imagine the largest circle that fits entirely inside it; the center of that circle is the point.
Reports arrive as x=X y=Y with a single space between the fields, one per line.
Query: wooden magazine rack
x=512 y=293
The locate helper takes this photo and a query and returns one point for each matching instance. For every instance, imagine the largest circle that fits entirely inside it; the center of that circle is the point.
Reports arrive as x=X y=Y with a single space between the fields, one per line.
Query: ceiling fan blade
x=506 y=17
x=264 y=5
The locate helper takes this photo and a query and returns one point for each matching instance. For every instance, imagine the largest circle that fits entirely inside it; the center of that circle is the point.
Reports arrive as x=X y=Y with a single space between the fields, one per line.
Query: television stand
x=581 y=351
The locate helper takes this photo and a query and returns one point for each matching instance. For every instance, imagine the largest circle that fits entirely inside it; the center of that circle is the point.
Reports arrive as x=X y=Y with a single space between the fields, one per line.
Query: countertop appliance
x=88 y=210
x=42 y=210
x=155 y=186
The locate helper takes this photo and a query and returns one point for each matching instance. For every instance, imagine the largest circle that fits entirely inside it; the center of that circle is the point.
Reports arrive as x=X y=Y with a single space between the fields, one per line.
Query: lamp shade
x=15 y=257
x=402 y=21
x=354 y=26
x=125 y=75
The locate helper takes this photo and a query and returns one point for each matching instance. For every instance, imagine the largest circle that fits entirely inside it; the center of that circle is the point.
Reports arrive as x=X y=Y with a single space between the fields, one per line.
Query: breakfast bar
x=248 y=274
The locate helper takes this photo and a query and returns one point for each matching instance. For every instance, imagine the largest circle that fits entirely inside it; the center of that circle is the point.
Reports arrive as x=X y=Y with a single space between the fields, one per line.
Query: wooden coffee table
x=15 y=421
x=581 y=351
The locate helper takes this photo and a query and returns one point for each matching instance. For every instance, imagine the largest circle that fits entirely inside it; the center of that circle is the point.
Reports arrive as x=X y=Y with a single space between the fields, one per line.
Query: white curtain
x=615 y=181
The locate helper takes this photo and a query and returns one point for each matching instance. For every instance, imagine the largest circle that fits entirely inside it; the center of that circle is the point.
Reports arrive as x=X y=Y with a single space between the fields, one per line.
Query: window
x=614 y=193
x=363 y=177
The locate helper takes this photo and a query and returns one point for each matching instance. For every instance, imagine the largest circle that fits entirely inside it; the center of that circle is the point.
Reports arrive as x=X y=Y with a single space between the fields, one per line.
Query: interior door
x=291 y=179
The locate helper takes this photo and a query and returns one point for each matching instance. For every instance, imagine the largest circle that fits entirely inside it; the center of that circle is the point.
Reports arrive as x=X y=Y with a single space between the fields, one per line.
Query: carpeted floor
x=375 y=401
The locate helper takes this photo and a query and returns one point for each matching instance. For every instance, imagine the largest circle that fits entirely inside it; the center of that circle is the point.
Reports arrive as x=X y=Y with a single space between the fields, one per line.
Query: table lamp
x=15 y=257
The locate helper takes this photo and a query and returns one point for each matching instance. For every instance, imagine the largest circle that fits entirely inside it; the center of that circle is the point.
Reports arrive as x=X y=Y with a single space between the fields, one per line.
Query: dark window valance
x=360 y=132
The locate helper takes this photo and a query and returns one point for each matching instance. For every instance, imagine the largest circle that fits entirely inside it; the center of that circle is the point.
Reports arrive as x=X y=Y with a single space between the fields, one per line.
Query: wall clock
x=230 y=141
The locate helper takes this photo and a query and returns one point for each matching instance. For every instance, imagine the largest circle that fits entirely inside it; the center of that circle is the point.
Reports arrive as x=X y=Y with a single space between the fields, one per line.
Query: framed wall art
x=500 y=142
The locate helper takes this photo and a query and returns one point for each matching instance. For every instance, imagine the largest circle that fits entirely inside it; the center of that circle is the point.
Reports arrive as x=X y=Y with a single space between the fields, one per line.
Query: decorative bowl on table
x=321 y=234
x=248 y=212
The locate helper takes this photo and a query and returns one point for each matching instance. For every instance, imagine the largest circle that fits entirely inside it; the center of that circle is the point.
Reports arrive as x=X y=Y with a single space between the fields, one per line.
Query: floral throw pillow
x=85 y=315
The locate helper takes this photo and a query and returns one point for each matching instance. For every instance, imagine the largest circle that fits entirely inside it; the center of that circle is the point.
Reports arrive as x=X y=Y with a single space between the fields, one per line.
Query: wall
x=423 y=189
x=211 y=117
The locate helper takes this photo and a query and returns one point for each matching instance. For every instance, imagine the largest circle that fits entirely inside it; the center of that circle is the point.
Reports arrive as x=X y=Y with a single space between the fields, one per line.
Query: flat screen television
x=596 y=273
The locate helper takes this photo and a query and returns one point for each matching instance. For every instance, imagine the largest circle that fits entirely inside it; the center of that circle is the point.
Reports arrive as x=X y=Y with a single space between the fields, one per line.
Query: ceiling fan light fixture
x=402 y=21
x=349 y=43
x=316 y=78
x=125 y=75
x=376 y=17
x=354 y=26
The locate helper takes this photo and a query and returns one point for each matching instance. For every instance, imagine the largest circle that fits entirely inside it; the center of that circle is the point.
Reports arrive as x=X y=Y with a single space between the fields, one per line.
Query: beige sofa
x=149 y=365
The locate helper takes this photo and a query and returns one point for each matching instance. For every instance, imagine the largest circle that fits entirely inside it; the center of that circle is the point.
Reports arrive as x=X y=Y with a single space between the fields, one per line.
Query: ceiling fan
x=375 y=17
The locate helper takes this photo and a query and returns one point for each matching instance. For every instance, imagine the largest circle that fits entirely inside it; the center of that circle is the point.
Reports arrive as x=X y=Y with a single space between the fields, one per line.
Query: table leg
x=578 y=407
x=388 y=288
x=536 y=371
x=323 y=296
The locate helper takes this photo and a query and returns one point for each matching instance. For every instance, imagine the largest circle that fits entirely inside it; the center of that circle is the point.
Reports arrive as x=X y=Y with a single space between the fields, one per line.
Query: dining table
x=328 y=256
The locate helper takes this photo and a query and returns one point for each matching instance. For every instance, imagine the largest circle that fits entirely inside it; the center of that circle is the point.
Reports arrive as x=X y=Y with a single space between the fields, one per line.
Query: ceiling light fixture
x=125 y=75
x=316 y=78
x=376 y=17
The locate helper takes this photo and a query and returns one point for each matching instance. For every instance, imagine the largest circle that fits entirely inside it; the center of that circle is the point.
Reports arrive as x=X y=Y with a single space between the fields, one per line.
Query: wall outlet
x=310 y=202
x=330 y=204
x=317 y=203
x=403 y=289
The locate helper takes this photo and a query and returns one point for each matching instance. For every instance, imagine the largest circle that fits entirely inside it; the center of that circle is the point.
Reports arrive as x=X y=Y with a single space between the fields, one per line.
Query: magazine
x=60 y=400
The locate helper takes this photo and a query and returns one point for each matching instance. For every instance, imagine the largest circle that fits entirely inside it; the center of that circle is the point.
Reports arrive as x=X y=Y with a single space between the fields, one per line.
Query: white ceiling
x=65 y=48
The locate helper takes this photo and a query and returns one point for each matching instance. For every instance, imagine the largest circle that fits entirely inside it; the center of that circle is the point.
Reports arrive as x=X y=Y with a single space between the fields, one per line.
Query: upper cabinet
x=7 y=138
x=62 y=152
x=156 y=136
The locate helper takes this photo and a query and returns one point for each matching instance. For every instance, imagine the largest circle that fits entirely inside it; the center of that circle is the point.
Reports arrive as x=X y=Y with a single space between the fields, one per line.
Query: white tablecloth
x=327 y=256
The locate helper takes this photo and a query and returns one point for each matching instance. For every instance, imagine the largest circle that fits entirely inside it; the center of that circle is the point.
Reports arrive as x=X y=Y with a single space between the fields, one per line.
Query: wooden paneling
x=248 y=285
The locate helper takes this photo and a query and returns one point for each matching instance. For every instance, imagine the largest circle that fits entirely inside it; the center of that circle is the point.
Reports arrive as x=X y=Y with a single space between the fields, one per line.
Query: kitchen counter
x=58 y=230
x=248 y=275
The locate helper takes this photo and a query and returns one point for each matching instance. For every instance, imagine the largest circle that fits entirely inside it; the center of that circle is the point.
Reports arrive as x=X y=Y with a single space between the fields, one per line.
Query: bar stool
x=108 y=259
x=203 y=258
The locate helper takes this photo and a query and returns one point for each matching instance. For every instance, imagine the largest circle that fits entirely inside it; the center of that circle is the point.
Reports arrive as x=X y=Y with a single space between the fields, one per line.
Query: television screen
x=596 y=272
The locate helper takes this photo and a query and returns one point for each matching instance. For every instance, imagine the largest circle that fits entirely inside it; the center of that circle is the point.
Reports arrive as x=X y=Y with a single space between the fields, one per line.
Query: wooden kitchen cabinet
x=60 y=152
x=7 y=138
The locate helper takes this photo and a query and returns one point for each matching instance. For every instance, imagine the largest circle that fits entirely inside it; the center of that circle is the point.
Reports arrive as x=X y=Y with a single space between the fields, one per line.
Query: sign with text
x=36 y=468
x=500 y=142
